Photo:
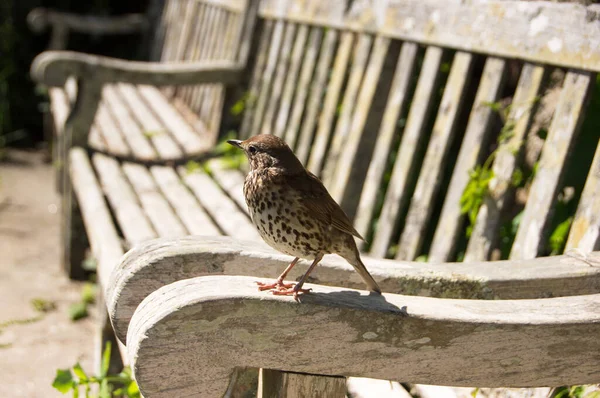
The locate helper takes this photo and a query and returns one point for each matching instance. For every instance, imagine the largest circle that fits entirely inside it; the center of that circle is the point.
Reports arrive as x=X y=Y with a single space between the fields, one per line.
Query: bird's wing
x=321 y=205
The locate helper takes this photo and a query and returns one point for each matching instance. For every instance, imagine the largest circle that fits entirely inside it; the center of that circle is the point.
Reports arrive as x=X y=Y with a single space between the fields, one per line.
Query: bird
x=294 y=213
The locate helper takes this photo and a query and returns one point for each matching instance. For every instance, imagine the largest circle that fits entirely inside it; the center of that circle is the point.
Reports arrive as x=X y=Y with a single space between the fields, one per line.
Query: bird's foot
x=277 y=285
x=291 y=292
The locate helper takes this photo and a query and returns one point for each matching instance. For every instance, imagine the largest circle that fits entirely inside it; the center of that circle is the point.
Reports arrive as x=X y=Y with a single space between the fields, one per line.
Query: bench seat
x=139 y=122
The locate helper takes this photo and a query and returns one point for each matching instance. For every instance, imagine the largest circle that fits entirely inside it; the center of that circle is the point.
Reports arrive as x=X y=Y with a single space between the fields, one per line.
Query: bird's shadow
x=354 y=299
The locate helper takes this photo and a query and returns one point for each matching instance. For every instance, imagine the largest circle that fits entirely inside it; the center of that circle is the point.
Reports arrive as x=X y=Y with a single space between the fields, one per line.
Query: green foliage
x=76 y=379
x=79 y=310
x=575 y=392
x=228 y=156
x=474 y=194
x=43 y=305
x=240 y=105
x=558 y=238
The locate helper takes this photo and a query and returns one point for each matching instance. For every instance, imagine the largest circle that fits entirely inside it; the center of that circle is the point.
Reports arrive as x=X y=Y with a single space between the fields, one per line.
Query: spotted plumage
x=293 y=212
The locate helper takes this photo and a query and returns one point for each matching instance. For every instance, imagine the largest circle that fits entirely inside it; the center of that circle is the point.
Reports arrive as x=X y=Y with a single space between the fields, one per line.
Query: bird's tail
x=357 y=264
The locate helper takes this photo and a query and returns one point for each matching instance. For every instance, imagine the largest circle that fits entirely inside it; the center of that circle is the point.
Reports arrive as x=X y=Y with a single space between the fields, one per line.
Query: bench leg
x=277 y=384
x=74 y=238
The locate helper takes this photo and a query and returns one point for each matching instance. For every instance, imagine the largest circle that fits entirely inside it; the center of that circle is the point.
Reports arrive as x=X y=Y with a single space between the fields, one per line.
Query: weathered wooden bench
x=353 y=91
x=139 y=121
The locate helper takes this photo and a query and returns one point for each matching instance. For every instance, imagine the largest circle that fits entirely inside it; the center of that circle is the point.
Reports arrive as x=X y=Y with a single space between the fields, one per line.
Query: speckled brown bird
x=294 y=213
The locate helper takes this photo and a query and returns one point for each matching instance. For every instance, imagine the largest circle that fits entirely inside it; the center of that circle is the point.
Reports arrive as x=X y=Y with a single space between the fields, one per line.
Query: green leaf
x=105 y=359
x=78 y=311
x=79 y=372
x=133 y=390
x=63 y=381
x=558 y=238
x=104 y=389
x=88 y=293
x=192 y=167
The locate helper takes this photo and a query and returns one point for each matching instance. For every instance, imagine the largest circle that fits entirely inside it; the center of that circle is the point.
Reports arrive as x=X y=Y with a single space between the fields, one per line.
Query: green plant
x=76 y=379
x=79 y=310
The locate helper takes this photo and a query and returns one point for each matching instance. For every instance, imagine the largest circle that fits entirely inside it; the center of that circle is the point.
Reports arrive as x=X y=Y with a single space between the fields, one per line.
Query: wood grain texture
x=474 y=143
x=275 y=384
x=159 y=262
x=533 y=31
x=412 y=139
x=486 y=228
x=564 y=128
x=444 y=130
x=415 y=339
x=585 y=229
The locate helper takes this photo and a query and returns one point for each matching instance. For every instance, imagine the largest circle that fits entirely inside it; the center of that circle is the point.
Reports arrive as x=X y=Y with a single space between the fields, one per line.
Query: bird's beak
x=236 y=143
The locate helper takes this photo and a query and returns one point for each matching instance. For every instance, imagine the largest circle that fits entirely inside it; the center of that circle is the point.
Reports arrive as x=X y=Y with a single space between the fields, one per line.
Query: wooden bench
x=352 y=89
x=142 y=122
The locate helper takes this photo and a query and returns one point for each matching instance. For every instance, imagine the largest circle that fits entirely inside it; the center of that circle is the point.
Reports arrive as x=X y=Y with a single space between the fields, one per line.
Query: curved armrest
x=159 y=262
x=39 y=19
x=54 y=67
x=187 y=338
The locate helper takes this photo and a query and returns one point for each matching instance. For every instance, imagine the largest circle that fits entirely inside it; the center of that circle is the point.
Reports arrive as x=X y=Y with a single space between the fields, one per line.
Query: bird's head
x=266 y=150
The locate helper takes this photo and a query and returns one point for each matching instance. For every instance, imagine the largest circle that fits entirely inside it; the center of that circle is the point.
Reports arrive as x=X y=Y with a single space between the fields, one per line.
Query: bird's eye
x=252 y=149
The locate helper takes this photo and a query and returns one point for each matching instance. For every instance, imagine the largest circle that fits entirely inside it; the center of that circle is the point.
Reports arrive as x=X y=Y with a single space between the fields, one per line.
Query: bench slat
x=212 y=40
x=185 y=136
x=444 y=130
x=139 y=144
x=124 y=203
x=292 y=78
x=544 y=190
x=496 y=332
x=158 y=135
x=309 y=60
x=585 y=229
x=330 y=106
x=221 y=208
x=246 y=128
x=410 y=144
x=193 y=51
x=475 y=141
x=318 y=87
x=231 y=181
x=396 y=105
x=185 y=204
x=155 y=205
x=342 y=127
x=280 y=73
x=486 y=227
x=352 y=151
x=110 y=132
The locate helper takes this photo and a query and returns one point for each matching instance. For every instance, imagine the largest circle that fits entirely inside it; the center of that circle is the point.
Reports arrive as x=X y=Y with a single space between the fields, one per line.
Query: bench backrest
x=394 y=103
x=197 y=30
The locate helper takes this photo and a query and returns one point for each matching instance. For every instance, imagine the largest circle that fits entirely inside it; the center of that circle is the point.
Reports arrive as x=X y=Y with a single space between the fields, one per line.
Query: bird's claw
x=291 y=292
x=277 y=285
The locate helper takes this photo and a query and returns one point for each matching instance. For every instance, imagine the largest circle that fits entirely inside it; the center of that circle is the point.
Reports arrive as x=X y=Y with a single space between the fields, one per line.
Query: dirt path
x=29 y=268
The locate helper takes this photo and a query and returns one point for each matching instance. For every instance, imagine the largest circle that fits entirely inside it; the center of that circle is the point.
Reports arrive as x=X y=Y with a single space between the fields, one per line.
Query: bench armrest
x=53 y=68
x=187 y=338
x=39 y=19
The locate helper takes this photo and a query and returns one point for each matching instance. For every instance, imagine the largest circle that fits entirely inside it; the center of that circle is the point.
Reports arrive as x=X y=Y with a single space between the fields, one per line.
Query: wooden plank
x=330 y=106
x=125 y=205
x=185 y=204
x=198 y=39
x=155 y=205
x=210 y=14
x=473 y=145
x=318 y=87
x=397 y=101
x=111 y=134
x=214 y=38
x=155 y=261
x=272 y=384
x=443 y=133
x=187 y=22
x=185 y=136
x=342 y=127
x=360 y=387
x=292 y=80
x=567 y=119
x=236 y=6
x=486 y=227
x=230 y=180
x=138 y=143
x=267 y=78
x=412 y=137
x=246 y=128
x=350 y=156
x=440 y=341
x=500 y=28
x=302 y=85
x=96 y=140
x=102 y=234
x=280 y=73
x=163 y=143
x=585 y=229
x=230 y=219
x=59 y=106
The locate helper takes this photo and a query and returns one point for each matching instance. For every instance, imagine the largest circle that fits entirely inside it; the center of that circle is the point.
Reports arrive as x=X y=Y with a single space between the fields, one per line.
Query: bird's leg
x=298 y=287
x=278 y=284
